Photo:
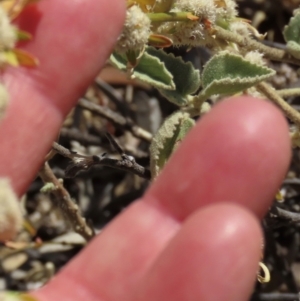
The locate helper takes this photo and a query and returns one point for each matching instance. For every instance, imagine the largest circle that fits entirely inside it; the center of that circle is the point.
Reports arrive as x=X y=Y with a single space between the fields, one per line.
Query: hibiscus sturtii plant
x=238 y=63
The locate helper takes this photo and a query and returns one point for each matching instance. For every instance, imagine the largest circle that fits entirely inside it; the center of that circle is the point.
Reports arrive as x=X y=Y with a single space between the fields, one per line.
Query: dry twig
x=81 y=162
x=65 y=203
x=116 y=118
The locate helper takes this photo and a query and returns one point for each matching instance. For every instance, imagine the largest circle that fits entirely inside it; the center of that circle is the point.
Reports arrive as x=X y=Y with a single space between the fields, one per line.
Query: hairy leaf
x=149 y=69
x=173 y=77
x=166 y=140
x=185 y=76
x=227 y=73
x=291 y=34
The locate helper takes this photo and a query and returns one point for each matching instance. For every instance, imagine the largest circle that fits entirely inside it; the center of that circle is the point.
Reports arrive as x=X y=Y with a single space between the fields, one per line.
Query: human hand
x=195 y=235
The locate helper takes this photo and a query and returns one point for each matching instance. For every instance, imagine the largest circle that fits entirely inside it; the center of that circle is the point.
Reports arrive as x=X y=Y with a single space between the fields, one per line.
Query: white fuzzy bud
x=195 y=33
x=226 y=11
x=204 y=9
x=239 y=28
x=136 y=31
x=208 y=9
x=186 y=33
x=255 y=57
x=10 y=212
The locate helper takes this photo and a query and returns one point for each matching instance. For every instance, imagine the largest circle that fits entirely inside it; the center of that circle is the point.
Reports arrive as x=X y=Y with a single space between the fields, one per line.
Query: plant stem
x=64 y=202
x=198 y=101
x=289 y=92
x=171 y=17
x=250 y=44
x=272 y=94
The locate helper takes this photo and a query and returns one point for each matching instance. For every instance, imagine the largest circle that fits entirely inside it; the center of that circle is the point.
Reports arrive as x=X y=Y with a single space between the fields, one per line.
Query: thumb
x=72 y=40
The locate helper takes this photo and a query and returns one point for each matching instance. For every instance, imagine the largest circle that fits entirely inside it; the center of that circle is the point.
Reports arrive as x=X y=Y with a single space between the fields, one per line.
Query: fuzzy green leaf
x=227 y=73
x=166 y=140
x=185 y=76
x=294 y=49
x=149 y=69
x=291 y=32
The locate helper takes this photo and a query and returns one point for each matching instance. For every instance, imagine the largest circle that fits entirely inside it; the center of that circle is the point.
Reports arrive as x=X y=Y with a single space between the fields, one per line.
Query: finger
x=115 y=261
x=71 y=39
x=119 y=258
x=239 y=153
x=213 y=257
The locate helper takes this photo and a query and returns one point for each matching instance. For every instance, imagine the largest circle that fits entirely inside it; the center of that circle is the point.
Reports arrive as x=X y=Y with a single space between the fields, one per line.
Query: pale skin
x=195 y=235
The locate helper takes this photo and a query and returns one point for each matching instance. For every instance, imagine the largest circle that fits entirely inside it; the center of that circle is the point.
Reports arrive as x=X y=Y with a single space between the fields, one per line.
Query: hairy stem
x=250 y=44
x=289 y=92
x=167 y=17
x=272 y=94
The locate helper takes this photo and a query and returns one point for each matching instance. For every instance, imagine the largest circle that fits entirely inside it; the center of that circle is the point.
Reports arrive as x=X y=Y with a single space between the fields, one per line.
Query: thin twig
x=116 y=118
x=250 y=44
x=294 y=181
x=65 y=203
x=272 y=94
x=62 y=150
x=126 y=163
x=278 y=296
x=83 y=138
x=88 y=139
x=274 y=44
x=293 y=217
x=114 y=144
x=110 y=92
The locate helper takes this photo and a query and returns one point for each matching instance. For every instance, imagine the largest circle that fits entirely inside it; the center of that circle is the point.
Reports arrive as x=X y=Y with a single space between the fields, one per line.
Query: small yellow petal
x=161 y=41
